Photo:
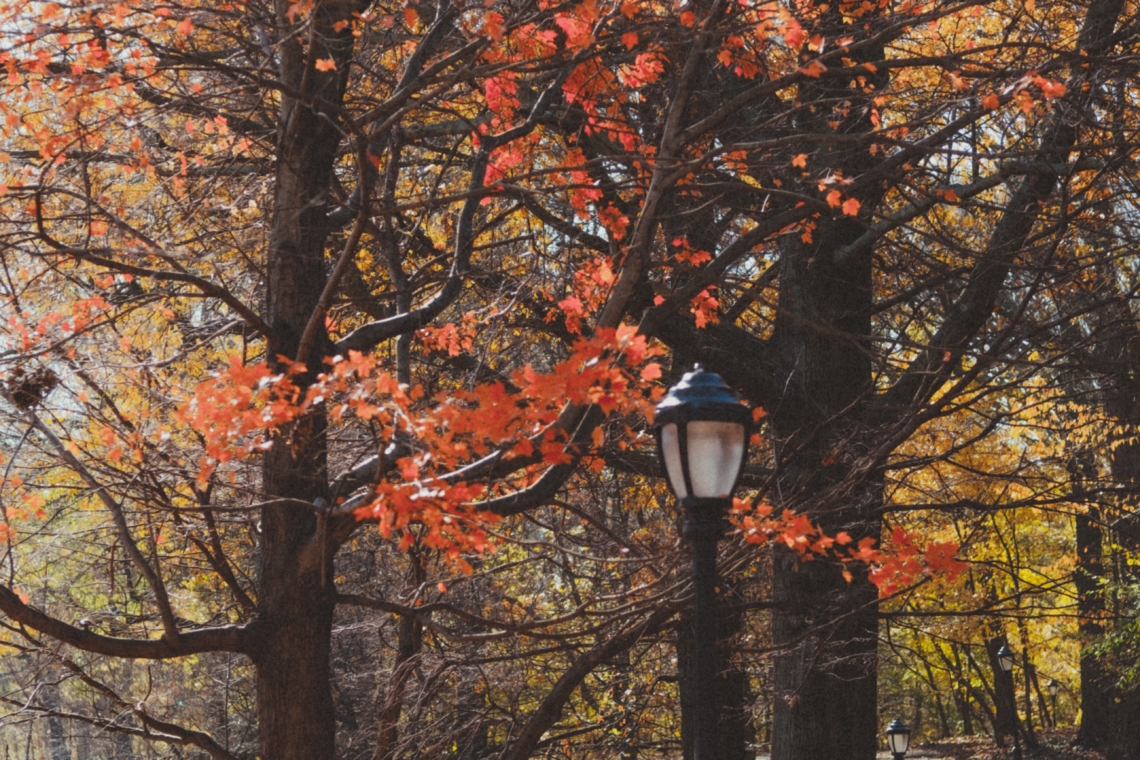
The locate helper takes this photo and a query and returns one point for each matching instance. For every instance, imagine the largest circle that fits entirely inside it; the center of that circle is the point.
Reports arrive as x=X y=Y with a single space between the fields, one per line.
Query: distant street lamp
x=1005 y=659
x=1054 y=690
x=702 y=438
x=898 y=738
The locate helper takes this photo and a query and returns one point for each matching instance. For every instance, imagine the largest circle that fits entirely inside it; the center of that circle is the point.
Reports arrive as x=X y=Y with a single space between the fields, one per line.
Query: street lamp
x=702 y=438
x=1005 y=659
x=898 y=738
x=1054 y=689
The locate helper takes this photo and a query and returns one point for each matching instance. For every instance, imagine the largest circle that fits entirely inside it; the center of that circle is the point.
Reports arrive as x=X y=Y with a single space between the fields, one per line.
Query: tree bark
x=1096 y=697
x=826 y=682
x=1006 y=722
x=295 y=601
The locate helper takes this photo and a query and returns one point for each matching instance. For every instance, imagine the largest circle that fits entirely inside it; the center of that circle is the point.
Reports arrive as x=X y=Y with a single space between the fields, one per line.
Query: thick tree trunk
x=294 y=699
x=826 y=680
x=825 y=703
x=295 y=603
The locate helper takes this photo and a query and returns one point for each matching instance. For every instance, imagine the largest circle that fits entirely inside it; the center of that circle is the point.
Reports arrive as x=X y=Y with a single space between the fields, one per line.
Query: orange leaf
x=325 y=64
x=185 y=27
x=651 y=371
x=493 y=25
x=990 y=102
x=813 y=69
x=834 y=199
x=629 y=39
x=800 y=161
x=851 y=207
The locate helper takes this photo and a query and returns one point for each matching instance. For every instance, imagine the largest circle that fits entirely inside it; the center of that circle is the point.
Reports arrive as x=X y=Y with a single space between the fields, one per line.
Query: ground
x=1053 y=744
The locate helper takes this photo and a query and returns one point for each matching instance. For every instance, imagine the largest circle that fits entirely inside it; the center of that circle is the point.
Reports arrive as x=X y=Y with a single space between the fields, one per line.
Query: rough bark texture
x=295 y=603
x=826 y=683
x=1006 y=722
x=1115 y=359
x=1096 y=697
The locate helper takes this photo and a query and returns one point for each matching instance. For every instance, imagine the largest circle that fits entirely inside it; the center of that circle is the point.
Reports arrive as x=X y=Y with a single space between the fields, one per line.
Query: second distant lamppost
x=1005 y=661
x=702 y=437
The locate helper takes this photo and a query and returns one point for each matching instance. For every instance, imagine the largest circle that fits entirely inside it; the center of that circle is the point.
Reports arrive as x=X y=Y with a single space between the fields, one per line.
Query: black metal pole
x=1054 y=710
x=703 y=528
x=1016 y=721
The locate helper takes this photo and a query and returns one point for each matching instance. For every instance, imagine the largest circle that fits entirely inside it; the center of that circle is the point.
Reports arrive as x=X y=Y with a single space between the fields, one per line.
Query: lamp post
x=702 y=438
x=1005 y=662
x=898 y=738
x=1054 y=689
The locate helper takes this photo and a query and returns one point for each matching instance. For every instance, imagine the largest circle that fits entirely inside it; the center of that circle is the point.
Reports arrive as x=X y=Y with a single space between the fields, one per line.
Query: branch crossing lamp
x=702 y=438
x=898 y=738
x=1005 y=658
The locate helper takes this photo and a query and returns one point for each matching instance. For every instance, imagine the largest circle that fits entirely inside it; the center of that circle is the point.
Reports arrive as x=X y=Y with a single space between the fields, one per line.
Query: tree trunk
x=1006 y=722
x=1096 y=689
x=826 y=681
x=943 y=720
x=57 y=735
x=295 y=604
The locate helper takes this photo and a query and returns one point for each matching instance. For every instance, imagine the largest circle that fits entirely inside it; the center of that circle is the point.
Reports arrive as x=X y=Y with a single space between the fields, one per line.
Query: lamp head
x=1005 y=658
x=898 y=737
x=702 y=437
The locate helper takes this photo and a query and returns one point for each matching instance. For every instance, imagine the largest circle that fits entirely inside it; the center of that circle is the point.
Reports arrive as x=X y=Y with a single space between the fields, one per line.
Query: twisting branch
x=222 y=639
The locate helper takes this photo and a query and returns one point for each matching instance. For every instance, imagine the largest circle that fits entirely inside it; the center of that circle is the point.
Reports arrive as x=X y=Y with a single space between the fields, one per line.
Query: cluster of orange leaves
x=892 y=568
x=592 y=283
x=240 y=410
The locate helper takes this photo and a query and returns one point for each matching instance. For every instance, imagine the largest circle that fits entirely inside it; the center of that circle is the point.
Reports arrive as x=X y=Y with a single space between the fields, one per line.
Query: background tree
x=274 y=272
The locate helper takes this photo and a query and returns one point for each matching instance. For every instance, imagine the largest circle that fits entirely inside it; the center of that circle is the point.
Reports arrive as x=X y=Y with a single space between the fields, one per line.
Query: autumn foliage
x=323 y=318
